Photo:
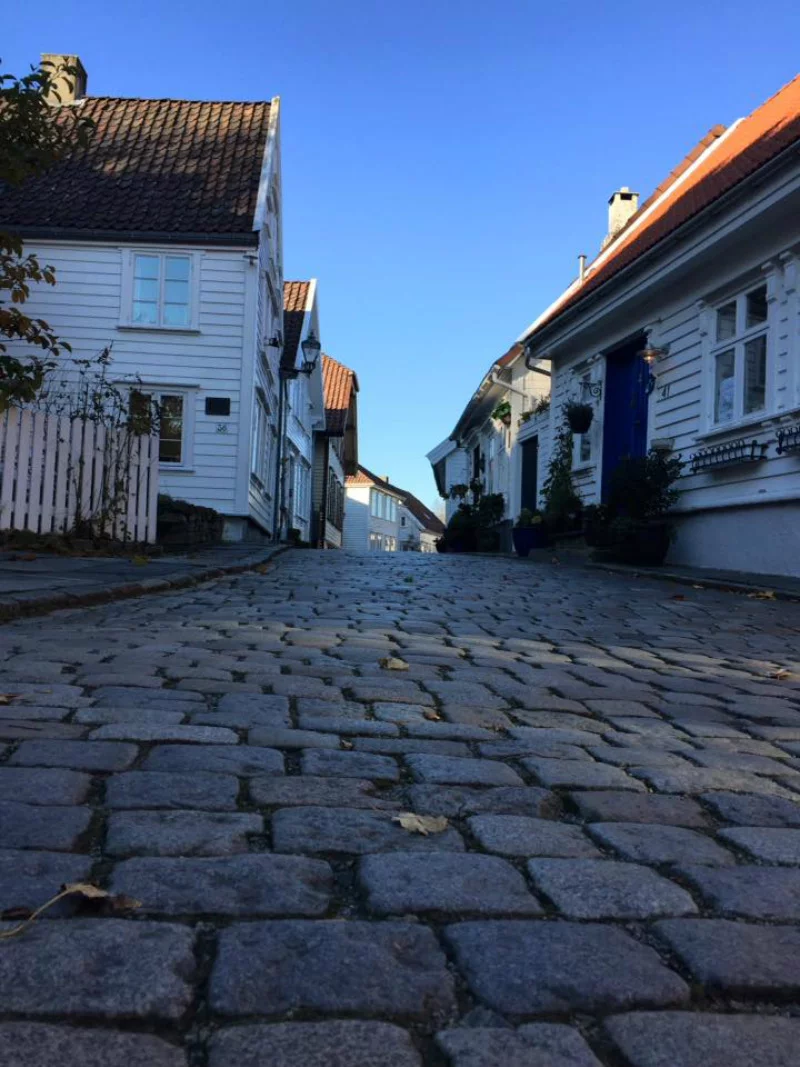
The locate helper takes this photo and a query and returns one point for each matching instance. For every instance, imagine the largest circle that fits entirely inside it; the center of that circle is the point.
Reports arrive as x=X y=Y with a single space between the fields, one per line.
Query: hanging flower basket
x=579 y=416
x=502 y=412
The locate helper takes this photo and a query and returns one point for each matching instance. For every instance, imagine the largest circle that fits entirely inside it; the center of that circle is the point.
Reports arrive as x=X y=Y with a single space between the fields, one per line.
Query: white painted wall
x=356 y=519
x=740 y=517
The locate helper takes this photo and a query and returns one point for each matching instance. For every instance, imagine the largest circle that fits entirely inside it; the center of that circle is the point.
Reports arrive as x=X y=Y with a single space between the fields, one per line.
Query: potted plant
x=529 y=532
x=634 y=523
x=502 y=412
x=578 y=415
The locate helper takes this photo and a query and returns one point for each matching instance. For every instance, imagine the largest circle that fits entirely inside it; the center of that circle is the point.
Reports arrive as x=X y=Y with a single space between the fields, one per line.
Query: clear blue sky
x=444 y=161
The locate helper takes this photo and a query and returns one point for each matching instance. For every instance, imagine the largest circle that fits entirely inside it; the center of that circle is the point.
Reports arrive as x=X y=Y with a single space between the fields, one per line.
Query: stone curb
x=721 y=584
x=42 y=605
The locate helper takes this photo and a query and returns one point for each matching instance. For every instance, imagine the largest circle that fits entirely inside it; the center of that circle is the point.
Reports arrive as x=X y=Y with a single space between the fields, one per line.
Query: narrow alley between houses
x=404 y=809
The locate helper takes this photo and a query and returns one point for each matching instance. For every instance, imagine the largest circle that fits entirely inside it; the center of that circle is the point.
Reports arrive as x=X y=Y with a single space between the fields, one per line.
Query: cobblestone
x=180 y=833
x=356 y=1044
x=275 y=967
x=445 y=883
x=262 y=886
x=286 y=916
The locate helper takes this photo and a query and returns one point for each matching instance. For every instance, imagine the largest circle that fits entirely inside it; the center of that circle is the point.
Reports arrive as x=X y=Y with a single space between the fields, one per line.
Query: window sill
x=584 y=468
x=760 y=422
x=175 y=468
x=147 y=328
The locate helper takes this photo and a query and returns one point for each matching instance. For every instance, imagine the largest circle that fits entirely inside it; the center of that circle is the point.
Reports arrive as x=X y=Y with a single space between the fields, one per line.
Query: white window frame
x=188 y=397
x=261 y=445
x=713 y=348
x=126 y=310
x=579 y=462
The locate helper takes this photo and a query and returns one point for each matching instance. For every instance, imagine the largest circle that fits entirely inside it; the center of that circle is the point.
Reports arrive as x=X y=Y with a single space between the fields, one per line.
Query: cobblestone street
x=606 y=871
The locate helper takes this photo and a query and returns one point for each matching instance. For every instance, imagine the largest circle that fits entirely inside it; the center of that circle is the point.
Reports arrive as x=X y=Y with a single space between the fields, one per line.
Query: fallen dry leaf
x=697 y=587
x=6 y=698
x=83 y=889
x=262 y=568
x=15 y=914
x=677 y=596
x=346 y=744
x=393 y=663
x=421 y=824
x=762 y=594
x=140 y=561
x=780 y=675
x=430 y=713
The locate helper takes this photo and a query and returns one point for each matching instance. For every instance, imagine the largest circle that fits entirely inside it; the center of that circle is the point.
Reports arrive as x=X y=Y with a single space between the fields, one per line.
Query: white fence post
x=56 y=472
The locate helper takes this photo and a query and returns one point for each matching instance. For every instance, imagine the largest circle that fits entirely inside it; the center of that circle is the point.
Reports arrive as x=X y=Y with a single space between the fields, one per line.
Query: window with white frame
x=161 y=290
x=261 y=444
x=739 y=357
x=375 y=542
x=585 y=439
x=174 y=414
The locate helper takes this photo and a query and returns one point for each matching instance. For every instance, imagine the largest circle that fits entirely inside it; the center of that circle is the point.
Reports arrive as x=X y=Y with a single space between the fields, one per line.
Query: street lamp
x=311 y=350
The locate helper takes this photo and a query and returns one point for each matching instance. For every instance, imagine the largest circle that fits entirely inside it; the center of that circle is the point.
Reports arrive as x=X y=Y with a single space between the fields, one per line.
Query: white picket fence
x=56 y=472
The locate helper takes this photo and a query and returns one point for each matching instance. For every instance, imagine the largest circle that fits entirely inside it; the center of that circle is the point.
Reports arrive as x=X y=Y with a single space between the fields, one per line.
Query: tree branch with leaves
x=34 y=135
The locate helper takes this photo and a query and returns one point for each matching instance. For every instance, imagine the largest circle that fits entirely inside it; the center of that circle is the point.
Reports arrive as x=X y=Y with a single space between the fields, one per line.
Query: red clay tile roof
x=162 y=167
x=339 y=383
x=729 y=159
x=430 y=521
x=295 y=300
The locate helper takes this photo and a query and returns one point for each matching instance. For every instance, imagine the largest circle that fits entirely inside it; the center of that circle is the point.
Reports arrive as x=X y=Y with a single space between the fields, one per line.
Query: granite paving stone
x=356 y=1044
x=605 y=889
x=38 y=826
x=454 y=801
x=520 y=835
x=244 y=885
x=77 y=755
x=267 y=968
x=167 y=789
x=449 y=770
x=29 y=878
x=653 y=843
x=324 y=763
x=348 y=726
x=750 y=891
x=608 y=806
x=43 y=785
x=308 y=791
x=398 y=746
x=104 y=968
x=282 y=737
x=99 y=716
x=693 y=780
x=754 y=810
x=342 y=830
x=525 y=968
x=446 y=883
x=180 y=833
x=116 y=696
x=24 y=1044
x=770 y=844
x=701 y=1039
x=129 y=731
x=242 y=760
x=737 y=958
x=534 y=1045
x=577 y=774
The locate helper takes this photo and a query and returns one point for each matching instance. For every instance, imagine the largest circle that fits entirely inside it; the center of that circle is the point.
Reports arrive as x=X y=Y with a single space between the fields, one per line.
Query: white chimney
x=622 y=206
x=70 y=86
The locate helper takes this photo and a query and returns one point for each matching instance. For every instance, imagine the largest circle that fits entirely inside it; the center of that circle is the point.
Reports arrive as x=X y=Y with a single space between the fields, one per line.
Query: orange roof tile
x=340 y=384
x=716 y=166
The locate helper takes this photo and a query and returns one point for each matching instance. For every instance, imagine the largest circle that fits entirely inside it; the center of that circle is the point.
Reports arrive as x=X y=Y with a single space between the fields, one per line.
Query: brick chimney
x=69 y=86
x=621 y=207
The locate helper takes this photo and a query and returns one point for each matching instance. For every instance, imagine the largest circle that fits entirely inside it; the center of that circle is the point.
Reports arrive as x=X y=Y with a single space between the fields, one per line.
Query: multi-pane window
x=261 y=444
x=172 y=412
x=161 y=290
x=375 y=542
x=739 y=357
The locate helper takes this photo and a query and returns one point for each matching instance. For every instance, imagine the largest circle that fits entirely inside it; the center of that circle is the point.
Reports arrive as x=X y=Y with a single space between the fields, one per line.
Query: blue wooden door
x=625 y=411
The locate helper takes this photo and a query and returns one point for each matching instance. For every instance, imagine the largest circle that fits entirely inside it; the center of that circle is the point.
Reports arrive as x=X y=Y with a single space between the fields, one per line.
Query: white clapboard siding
x=56 y=472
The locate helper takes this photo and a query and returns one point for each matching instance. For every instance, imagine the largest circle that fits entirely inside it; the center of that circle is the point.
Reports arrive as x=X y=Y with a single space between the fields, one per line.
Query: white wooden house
x=302 y=409
x=165 y=233
x=335 y=452
x=684 y=333
x=372 y=513
x=483 y=445
x=420 y=528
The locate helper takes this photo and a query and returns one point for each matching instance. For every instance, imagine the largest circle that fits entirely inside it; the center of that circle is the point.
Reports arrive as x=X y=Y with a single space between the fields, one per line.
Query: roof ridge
x=168 y=100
